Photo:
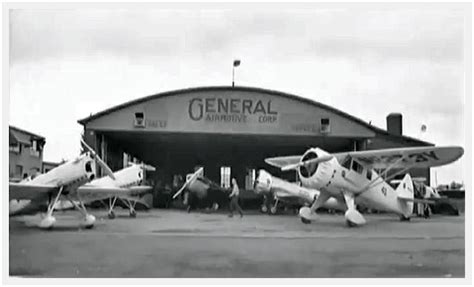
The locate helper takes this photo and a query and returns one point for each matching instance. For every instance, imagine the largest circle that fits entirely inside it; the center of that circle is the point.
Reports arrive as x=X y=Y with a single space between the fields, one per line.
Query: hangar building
x=230 y=131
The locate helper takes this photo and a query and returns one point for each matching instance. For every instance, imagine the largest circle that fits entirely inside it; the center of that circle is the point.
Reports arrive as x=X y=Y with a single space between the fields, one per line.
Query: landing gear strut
x=111 y=213
x=48 y=220
x=89 y=219
x=131 y=206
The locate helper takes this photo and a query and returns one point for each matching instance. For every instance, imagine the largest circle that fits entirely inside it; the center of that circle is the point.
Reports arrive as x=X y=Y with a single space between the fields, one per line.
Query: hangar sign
x=231 y=110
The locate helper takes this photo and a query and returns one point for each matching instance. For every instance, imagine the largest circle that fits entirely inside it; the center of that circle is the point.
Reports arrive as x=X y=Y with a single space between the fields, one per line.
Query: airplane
x=126 y=188
x=290 y=193
x=62 y=180
x=350 y=176
x=69 y=181
x=200 y=188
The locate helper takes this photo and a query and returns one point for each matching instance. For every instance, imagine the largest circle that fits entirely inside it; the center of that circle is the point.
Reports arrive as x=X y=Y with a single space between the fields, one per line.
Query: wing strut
x=384 y=173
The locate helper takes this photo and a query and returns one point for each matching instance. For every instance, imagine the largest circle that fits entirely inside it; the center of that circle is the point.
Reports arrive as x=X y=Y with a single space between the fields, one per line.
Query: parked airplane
x=126 y=187
x=349 y=176
x=62 y=180
x=201 y=188
x=290 y=193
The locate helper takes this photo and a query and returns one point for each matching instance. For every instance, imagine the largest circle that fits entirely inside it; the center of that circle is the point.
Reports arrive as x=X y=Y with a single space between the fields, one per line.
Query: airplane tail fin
x=406 y=195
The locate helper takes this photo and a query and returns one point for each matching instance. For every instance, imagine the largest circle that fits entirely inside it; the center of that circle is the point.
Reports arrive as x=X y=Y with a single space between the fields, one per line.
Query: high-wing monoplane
x=349 y=176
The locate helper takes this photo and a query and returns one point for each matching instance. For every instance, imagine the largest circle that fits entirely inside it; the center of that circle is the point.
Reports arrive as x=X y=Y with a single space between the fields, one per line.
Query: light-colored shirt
x=235 y=190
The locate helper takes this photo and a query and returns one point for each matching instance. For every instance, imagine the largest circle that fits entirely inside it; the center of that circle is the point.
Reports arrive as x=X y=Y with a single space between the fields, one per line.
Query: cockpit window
x=357 y=167
x=369 y=174
x=347 y=162
x=88 y=166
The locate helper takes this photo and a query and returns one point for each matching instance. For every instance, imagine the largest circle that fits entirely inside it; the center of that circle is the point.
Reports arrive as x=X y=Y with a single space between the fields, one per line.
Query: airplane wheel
x=133 y=214
x=273 y=210
x=350 y=223
x=403 y=218
x=111 y=215
x=215 y=206
x=305 y=221
x=263 y=209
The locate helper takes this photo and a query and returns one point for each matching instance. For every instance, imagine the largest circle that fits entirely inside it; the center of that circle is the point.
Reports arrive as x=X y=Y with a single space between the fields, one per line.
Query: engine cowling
x=316 y=174
x=263 y=182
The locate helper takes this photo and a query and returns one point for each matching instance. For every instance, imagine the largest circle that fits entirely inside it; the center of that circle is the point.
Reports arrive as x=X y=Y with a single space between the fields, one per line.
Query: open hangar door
x=223 y=156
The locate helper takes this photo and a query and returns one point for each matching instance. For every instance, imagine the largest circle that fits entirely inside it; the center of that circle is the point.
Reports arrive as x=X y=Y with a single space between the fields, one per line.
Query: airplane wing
x=282 y=161
x=92 y=192
x=415 y=157
x=30 y=191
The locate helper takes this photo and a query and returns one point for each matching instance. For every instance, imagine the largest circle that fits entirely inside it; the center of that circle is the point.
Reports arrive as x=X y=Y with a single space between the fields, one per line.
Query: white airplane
x=69 y=181
x=349 y=176
x=126 y=187
x=292 y=193
x=63 y=180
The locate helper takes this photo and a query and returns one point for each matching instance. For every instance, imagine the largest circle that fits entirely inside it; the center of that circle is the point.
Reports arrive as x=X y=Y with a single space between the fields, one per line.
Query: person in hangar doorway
x=234 y=199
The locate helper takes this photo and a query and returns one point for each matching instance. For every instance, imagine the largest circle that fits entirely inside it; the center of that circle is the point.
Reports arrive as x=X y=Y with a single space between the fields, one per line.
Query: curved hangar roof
x=231 y=110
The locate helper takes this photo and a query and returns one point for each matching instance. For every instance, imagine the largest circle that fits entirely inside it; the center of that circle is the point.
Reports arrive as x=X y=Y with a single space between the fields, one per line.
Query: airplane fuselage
x=69 y=175
x=335 y=178
x=291 y=192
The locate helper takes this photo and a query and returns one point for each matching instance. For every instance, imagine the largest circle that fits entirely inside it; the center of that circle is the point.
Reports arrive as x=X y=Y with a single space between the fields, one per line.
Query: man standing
x=234 y=199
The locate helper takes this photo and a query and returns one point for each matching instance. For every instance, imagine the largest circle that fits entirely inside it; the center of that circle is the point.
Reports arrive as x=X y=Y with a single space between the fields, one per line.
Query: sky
x=368 y=61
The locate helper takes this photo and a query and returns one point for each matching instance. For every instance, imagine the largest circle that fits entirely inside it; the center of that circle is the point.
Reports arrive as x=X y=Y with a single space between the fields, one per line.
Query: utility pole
x=235 y=64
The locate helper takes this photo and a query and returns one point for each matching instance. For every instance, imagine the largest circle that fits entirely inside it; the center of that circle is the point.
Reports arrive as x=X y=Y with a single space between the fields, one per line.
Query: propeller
x=302 y=163
x=193 y=177
x=99 y=161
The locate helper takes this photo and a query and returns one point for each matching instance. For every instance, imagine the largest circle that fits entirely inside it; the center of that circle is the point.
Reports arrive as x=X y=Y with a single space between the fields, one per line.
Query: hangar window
x=225 y=176
x=139 y=119
x=250 y=178
x=325 y=126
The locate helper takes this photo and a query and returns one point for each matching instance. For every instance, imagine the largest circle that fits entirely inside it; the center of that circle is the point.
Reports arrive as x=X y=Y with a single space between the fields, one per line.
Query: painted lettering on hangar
x=231 y=110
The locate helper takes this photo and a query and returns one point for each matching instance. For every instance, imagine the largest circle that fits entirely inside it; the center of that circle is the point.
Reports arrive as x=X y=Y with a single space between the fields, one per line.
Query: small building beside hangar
x=25 y=153
x=230 y=131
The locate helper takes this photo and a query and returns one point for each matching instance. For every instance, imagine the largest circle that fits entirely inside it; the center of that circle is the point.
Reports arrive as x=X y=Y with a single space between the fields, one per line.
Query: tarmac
x=174 y=244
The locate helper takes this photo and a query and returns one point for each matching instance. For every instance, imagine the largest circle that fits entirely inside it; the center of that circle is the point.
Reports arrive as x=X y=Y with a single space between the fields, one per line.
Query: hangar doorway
x=223 y=156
